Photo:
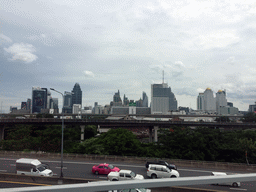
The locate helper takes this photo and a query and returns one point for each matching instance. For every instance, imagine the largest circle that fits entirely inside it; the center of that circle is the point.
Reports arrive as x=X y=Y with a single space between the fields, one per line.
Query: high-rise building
x=48 y=93
x=144 y=99
x=29 y=104
x=23 y=106
x=117 y=101
x=221 y=100
x=67 y=108
x=39 y=99
x=77 y=95
x=209 y=101
x=125 y=101
x=200 y=101
x=162 y=99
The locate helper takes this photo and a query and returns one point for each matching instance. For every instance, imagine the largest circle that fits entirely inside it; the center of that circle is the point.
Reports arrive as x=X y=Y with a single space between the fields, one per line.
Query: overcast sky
x=110 y=45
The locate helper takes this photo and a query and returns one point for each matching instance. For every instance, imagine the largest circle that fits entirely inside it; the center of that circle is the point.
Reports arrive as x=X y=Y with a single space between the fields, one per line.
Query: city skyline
x=211 y=98
x=110 y=46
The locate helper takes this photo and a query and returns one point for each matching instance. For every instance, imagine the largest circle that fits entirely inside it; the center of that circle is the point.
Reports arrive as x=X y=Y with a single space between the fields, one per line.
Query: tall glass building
x=162 y=99
x=77 y=95
x=67 y=108
x=39 y=99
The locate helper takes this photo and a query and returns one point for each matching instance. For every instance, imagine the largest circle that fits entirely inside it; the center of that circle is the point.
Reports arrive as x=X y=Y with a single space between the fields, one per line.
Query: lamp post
x=62 y=130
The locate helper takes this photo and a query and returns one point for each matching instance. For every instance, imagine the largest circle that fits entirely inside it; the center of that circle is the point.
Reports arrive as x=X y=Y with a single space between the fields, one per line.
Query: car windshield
x=41 y=168
x=132 y=174
x=111 y=166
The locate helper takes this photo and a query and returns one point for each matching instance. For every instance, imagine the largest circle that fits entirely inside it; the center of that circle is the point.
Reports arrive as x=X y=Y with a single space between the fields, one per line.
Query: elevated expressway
x=150 y=125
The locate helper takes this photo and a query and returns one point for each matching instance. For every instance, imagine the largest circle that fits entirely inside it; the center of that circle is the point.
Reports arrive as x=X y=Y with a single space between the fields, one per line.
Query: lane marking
x=62 y=167
x=24 y=183
x=3 y=170
x=238 y=189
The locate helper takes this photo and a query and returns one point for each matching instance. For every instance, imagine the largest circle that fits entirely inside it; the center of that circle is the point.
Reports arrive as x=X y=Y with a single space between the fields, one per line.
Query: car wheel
x=173 y=176
x=153 y=176
x=114 y=180
x=235 y=185
x=96 y=173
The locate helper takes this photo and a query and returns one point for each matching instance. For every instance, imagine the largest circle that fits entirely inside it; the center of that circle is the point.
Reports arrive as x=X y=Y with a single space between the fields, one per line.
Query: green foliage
x=249 y=117
x=176 y=143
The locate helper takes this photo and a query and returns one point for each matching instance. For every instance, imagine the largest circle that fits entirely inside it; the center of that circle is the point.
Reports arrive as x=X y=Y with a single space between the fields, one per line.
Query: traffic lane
x=82 y=169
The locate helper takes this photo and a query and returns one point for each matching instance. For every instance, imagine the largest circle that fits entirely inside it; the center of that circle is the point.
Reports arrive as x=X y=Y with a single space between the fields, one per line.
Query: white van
x=32 y=167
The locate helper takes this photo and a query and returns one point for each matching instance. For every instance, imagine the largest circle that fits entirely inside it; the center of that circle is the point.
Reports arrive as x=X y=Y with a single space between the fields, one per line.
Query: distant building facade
x=67 y=108
x=200 y=102
x=39 y=99
x=252 y=108
x=162 y=99
x=77 y=94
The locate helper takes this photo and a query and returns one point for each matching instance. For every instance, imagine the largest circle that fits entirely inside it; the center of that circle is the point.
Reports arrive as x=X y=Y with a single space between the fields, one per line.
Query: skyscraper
x=67 y=108
x=209 y=101
x=162 y=99
x=29 y=105
x=77 y=95
x=117 y=101
x=200 y=102
x=39 y=99
x=221 y=100
x=144 y=99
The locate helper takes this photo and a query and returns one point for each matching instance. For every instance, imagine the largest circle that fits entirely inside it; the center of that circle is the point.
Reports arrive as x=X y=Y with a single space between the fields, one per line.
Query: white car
x=233 y=184
x=123 y=175
x=161 y=171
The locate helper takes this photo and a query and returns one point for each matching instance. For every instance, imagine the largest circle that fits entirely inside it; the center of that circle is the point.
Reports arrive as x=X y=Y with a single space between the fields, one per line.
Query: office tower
x=48 y=97
x=39 y=99
x=252 y=108
x=29 y=105
x=77 y=95
x=23 y=106
x=125 y=101
x=209 y=101
x=200 y=101
x=162 y=99
x=67 y=108
x=117 y=101
x=54 y=105
x=144 y=99
x=221 y=100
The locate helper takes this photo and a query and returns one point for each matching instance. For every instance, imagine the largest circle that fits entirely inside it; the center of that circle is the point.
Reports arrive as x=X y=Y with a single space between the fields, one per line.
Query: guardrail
x=139 y=160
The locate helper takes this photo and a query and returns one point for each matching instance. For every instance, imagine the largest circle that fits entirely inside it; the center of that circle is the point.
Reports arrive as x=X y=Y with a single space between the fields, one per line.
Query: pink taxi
x=104 y=169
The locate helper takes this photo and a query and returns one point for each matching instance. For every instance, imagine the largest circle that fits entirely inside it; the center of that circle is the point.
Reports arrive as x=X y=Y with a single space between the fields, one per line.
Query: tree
x=249 y=117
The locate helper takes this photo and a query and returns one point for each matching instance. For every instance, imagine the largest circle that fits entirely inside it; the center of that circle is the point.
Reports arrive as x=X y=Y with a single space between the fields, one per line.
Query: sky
x=109 y=45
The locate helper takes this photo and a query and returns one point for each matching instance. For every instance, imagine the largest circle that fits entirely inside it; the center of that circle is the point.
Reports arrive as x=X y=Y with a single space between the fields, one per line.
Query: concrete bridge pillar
x=155 y=133
x=2 y=133
x=150 y=134
x=82 y=132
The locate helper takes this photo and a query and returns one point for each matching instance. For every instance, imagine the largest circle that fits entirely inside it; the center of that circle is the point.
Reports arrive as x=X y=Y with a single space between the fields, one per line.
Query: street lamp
x=62 y=130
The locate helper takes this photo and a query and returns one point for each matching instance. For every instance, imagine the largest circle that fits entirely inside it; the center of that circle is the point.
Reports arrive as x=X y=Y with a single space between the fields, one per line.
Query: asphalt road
x=82 y=169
